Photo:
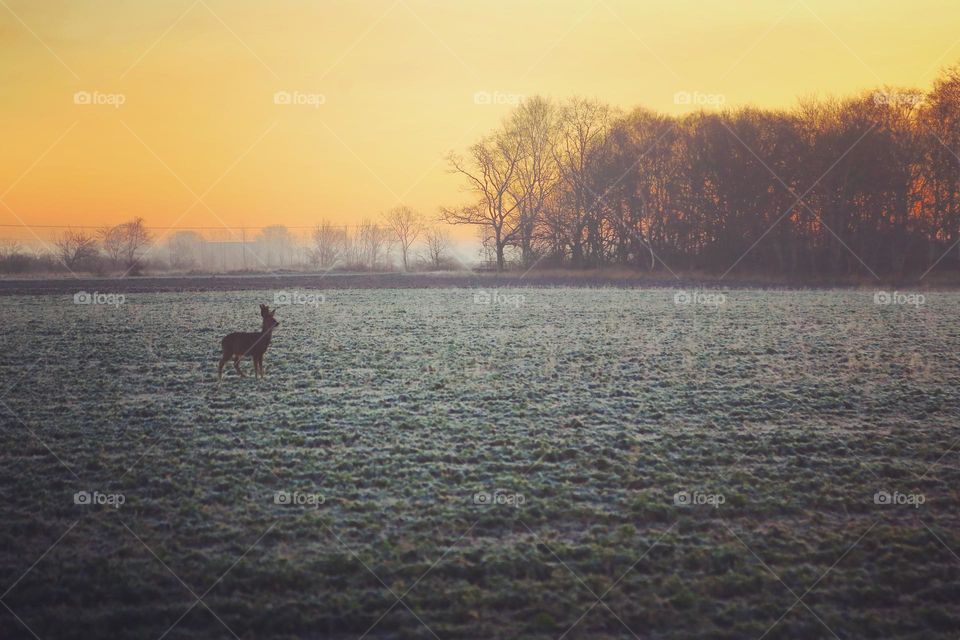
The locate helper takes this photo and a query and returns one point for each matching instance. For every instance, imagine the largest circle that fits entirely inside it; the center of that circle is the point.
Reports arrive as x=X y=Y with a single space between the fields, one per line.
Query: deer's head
x=268 y=320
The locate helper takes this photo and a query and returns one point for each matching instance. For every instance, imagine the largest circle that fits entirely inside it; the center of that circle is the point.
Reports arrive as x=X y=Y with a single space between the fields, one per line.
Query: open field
x=578 y=417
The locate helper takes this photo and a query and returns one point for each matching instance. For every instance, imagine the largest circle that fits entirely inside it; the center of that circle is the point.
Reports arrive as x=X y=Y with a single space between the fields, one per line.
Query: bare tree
x=185 y=249
x=534 y=124
x=438 y=241
x=329 y=244
x=111 y=240
x=584 y=128
x=74 y=247
x=9 y=248
x=138 y=238
x=14 y=259
x=374 y=242
x=941 y=119
x=124 y=243
x=490 y=169
x=407 y=226
x=352 y=250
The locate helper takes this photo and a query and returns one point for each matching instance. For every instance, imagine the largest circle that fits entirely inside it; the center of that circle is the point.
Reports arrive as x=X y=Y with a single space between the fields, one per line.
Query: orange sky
x=398 y=80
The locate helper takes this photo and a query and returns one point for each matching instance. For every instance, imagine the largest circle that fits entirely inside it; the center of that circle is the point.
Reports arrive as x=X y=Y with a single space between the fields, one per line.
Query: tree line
x=120 y=246
x=401 y=235
x=838 y=186
x=864 y=184
x=371 y=246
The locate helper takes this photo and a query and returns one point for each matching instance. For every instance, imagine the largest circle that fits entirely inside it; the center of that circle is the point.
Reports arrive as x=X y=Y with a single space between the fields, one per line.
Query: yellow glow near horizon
x=399 y=79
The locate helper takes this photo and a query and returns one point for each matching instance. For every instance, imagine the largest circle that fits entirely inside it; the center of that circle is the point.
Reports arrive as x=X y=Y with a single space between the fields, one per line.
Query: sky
x=228 y=113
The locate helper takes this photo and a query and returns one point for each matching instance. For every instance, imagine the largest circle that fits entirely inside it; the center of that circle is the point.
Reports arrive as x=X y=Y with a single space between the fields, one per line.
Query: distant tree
x=125 y=243
x=10 y=248
x=407 y=226
x=111 y=241
x=374 y=243
x=329 y=244
x=352 y=250
x=535 y=126
x=74 y=247
x=438 y=241
x=940 y=119
x=490 y=170
x=633 y=181
x=584 y=125
x=13 y=258
x=185 y=249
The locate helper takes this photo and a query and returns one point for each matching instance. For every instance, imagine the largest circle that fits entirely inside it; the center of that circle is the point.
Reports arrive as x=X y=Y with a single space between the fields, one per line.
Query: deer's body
x=240 y=344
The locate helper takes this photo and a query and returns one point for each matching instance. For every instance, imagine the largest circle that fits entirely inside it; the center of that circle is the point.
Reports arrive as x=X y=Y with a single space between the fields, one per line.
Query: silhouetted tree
x=864 y=184
x=74 y=247
x=407 y=226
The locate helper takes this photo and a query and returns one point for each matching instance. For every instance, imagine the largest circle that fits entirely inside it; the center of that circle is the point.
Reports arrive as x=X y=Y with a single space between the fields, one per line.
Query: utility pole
x=243 y=246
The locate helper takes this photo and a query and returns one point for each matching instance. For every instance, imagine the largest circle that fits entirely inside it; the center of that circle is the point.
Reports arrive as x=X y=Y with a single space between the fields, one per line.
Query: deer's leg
x=236 y=365
x=223 y=361
x=256 y=366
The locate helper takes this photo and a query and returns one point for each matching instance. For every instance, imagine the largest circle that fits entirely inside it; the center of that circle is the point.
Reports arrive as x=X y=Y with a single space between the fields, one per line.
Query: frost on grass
x=517 y=456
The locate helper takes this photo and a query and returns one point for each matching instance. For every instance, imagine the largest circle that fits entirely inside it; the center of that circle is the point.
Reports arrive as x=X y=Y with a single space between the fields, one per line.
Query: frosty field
x=451 y=463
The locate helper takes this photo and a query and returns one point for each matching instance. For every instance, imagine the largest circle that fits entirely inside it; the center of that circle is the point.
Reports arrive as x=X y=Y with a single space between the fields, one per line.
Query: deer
x=240 y=344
